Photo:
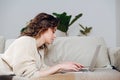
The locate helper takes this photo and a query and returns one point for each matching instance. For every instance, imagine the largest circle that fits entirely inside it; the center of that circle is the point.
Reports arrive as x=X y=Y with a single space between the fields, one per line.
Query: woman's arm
x=68 y=66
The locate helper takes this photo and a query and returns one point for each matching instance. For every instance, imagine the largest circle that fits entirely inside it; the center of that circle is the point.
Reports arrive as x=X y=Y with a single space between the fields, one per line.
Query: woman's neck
x=40 y=41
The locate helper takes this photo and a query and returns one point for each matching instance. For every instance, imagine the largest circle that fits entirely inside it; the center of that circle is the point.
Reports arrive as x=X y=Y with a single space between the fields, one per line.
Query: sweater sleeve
x=24 y=60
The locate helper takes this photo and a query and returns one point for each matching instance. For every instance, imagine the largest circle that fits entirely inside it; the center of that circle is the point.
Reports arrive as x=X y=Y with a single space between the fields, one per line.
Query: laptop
x=93 y=61
x=92 y=64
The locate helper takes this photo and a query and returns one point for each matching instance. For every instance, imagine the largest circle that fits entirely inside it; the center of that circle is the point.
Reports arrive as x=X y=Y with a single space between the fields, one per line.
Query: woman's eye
x=53 y=31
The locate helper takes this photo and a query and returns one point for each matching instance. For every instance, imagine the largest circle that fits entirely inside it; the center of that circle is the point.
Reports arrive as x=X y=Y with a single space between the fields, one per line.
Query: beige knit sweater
x=23 y=58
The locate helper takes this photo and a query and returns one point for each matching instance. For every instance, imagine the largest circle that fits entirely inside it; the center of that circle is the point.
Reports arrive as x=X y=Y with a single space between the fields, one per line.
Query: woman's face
x=49 y=35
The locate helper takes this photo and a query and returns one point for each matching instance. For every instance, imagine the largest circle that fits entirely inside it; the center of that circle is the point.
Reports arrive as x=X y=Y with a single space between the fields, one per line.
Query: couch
x=81 y=50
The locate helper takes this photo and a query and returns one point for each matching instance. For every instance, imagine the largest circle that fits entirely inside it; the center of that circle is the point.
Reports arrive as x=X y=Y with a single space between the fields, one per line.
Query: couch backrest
x=78 y=49
x=8 y=42
x=2 y=44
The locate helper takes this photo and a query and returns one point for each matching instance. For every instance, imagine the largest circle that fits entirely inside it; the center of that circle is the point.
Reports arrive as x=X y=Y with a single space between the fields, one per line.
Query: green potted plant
x=85 y=30
x=65 y=21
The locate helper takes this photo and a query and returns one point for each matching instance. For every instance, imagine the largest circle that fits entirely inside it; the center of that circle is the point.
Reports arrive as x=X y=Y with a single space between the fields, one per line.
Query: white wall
x=118 y=22
x=100 y=14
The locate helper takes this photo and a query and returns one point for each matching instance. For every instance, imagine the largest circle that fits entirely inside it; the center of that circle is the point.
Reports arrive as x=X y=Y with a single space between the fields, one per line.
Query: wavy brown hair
x=39 y=25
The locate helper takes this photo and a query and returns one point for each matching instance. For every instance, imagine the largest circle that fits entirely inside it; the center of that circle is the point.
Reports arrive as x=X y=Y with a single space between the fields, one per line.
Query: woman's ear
x=41 y=32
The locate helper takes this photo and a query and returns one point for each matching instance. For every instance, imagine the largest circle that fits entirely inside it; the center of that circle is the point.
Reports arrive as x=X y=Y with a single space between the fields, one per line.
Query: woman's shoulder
x=25 y=39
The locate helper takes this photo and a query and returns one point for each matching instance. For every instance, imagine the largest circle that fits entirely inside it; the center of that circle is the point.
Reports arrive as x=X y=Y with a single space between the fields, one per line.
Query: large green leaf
x=64 y=21
x=76 y=18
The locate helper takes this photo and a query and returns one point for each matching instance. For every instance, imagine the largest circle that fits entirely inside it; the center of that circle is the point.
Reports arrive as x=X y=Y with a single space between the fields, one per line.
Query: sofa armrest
x=114 y=54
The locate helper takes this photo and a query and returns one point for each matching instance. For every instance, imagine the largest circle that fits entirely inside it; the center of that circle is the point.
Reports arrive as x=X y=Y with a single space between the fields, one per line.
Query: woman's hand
x=69 y=66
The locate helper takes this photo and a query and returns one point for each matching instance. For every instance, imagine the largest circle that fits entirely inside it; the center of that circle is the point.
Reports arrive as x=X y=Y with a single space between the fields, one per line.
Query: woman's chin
x=49 y=42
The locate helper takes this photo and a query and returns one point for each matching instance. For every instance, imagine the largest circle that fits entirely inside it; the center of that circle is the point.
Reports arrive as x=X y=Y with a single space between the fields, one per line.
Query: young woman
x=23 y=56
